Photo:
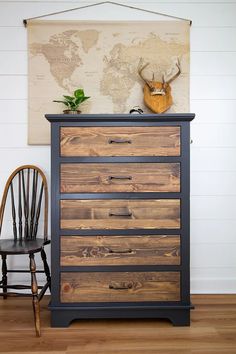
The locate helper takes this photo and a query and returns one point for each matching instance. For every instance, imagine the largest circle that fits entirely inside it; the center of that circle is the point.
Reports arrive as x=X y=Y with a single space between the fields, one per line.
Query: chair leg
x=46 y=267
x=34 y=289
x=4 y=276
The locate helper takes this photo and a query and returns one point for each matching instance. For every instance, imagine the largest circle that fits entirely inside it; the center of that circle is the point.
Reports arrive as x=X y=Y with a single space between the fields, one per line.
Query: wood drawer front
x=120 y=214
x=120 y=177
x=120 y=141
x=120 y=286
x=120 y=250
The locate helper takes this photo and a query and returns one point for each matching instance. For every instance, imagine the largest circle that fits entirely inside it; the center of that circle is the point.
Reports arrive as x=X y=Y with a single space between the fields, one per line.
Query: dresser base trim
x=62 y=317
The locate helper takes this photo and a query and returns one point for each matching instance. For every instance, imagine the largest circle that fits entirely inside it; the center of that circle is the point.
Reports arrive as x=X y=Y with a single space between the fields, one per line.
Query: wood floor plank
x=212 y=331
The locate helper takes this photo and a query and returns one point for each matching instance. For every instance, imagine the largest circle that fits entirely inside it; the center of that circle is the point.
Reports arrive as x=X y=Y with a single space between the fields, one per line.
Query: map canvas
x=103 y=59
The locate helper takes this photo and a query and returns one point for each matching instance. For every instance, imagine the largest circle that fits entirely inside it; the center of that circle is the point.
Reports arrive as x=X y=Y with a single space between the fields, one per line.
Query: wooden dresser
x=120 y=217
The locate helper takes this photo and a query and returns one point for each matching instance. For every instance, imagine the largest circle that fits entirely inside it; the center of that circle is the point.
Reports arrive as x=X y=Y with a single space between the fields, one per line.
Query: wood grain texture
x=120 y=250
x=120 y=141
x=120 y=214
x=120 y=177
x=120 y=286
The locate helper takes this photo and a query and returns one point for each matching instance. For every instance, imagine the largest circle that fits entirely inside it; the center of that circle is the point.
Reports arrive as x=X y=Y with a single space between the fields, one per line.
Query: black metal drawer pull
x=121 y=214
x=120 y=141
x=121 y=286
x=127 y=250
x=120 y=177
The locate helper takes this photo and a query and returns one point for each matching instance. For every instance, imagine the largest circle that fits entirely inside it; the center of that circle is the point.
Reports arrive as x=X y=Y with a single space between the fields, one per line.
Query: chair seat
x=9 y=246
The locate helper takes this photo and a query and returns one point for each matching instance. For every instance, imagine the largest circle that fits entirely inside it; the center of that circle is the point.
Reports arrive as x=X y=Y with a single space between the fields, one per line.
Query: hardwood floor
x=212 y=331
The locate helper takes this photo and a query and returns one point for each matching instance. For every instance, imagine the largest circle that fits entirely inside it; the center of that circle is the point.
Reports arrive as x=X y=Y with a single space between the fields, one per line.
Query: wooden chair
x=27 y=193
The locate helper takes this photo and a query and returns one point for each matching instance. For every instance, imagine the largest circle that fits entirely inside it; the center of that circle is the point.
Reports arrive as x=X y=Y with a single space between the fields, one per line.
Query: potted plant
x=73 y=102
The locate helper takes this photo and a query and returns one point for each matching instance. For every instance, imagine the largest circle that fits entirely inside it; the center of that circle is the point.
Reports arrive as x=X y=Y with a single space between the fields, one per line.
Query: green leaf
x=79 y=93
x=78 y=101
x=64 y=102
x=69 y=98
x=73 y=105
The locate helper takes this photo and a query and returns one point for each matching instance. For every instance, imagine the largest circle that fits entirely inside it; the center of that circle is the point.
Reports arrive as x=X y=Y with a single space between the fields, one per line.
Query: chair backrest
x=25 y=189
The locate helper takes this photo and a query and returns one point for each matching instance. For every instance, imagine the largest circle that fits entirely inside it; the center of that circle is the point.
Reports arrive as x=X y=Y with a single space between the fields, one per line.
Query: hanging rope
x=103 y=3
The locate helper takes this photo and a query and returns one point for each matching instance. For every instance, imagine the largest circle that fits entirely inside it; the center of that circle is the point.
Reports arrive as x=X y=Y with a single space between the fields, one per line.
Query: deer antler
x=174 y=76
x=140 y=72
x=150 y=83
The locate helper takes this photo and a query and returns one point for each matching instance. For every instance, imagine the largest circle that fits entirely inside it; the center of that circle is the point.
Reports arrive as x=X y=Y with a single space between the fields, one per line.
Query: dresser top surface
x=172 y=117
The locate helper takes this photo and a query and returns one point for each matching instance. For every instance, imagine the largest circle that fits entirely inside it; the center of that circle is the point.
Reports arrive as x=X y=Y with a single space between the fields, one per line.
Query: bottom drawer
x=120 y=286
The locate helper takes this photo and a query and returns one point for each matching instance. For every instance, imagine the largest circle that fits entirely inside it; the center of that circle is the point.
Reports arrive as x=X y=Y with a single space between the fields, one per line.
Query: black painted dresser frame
x=176 y=311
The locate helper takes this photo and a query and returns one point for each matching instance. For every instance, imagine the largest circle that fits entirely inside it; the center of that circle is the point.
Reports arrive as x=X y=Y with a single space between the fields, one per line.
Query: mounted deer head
x=157 y=95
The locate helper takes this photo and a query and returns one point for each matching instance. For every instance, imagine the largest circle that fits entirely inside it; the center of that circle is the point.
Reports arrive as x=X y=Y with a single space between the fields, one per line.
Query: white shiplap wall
x=213 y=99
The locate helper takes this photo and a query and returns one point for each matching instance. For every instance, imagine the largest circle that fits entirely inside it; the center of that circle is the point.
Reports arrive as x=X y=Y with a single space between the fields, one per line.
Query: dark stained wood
x=4 y=276
x=120 y=141
x=46 y=268
x=120 y=286
x=7 y=247
x=120 y=177
x=120 y=214
x=33 y=202
x=13 y=209
x=120 y=250
x=20 y=206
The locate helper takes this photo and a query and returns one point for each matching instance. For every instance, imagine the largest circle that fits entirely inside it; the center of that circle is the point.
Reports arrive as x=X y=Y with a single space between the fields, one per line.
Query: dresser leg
x=61 y=319
x=180 y=317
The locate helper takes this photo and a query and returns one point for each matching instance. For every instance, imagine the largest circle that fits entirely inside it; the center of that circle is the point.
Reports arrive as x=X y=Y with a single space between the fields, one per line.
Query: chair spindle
x=38 y=211
x=33 y=202
x=13 y=212
x=20 y=209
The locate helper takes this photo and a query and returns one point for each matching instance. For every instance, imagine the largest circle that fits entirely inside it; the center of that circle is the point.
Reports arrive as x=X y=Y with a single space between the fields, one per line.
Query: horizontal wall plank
x=213 y=183
x=39 y=155
x=213 y=63
x=13 y=135
x=213 y=158
x=13 y=63
x=214 y=135
x=213 y=207
x=213 y=231
x=222 y=256
x=13 y=87
x=213 y=87
x=213 y=285
x=209 y=272
x=213 y=39
x=13 y=38
x=13 y=111
x=209 y=111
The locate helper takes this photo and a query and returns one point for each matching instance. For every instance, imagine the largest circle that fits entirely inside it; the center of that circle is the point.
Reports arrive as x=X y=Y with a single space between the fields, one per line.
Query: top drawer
x=120 y=141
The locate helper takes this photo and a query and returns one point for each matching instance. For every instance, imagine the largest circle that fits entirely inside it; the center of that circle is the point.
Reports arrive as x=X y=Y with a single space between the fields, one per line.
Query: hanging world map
x=103 y=58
